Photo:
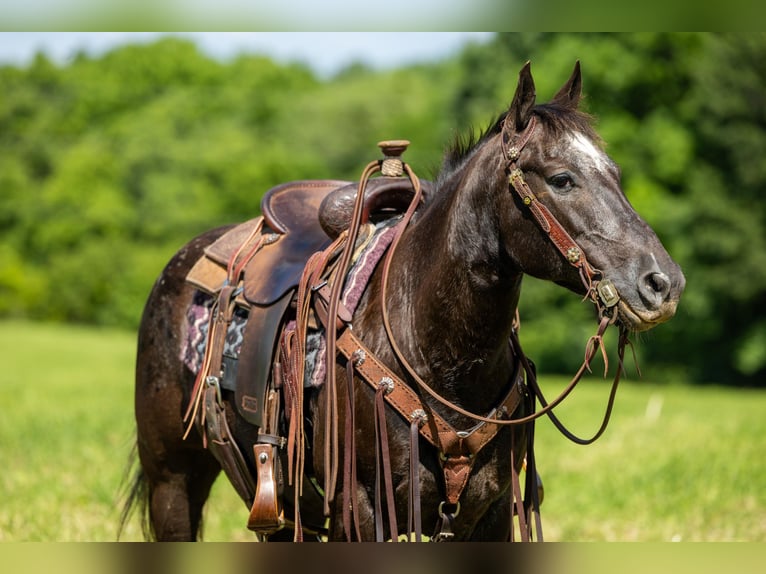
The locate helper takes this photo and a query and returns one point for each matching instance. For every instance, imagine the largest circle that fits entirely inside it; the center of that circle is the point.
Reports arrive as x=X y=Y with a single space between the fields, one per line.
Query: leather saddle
x=298 y=219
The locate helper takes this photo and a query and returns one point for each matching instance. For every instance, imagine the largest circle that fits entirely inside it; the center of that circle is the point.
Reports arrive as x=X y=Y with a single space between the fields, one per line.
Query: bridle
x=599 y=289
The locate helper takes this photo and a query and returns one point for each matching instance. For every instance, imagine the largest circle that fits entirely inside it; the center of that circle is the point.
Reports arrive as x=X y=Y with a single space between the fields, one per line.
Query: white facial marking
x=584 y=145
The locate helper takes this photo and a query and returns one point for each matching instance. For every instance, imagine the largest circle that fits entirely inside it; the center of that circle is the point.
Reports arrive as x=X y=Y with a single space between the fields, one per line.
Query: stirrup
x=266 y=514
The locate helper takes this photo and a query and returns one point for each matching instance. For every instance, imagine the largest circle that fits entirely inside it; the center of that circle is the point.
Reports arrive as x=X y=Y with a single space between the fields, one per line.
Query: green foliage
x=108 y=165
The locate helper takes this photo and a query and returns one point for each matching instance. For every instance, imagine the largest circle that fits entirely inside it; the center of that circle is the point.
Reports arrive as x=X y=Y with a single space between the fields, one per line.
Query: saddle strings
x=383 y=466
x=350 y=494
x=331 y=419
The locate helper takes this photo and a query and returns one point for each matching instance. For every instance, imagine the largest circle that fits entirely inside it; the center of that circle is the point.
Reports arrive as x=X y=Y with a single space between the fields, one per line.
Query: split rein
x=599 y=290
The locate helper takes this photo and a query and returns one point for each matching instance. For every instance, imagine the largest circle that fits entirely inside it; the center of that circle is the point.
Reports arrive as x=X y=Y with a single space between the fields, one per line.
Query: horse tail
x=135 y=487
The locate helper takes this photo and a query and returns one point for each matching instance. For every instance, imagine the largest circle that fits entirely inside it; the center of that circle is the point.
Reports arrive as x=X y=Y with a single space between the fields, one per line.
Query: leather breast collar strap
x=457 y=449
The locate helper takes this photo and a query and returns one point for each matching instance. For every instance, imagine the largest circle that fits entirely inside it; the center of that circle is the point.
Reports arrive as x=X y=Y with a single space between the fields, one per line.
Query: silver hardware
x=513 y=153
x=573 y=254
x=270 y=238
x=462 y=434
x=453 y=514
x=445 y=523
x=419 y=415
x=387 y=383
x=358 y=357
x=263 y=458
x=607 y=292
x=443 y=536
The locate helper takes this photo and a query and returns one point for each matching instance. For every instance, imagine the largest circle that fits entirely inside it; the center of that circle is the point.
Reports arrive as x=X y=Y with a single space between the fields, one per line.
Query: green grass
x=677 y=462
x=66 y=433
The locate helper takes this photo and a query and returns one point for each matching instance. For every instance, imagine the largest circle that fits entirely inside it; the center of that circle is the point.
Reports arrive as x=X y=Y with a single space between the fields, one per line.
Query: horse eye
x=561 y=182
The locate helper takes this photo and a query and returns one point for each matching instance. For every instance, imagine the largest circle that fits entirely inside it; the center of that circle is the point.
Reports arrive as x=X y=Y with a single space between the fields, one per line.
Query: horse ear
x=569 y=95
x=524 y=98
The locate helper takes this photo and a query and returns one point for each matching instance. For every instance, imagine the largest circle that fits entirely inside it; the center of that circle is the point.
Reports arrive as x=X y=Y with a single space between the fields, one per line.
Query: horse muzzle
x=652 y=300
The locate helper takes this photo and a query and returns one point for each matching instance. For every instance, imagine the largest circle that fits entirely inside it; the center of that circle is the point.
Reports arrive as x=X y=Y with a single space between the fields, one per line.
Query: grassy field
x=677 y=463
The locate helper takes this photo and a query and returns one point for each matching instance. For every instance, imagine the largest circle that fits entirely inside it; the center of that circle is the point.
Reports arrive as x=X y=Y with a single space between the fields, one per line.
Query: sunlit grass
x=677 y=462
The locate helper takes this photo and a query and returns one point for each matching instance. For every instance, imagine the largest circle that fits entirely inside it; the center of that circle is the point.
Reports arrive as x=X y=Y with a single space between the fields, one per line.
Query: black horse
x=451 y=290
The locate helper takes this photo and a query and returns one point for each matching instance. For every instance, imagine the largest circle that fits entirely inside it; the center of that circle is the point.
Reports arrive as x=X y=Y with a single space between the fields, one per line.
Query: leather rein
x=599 y=290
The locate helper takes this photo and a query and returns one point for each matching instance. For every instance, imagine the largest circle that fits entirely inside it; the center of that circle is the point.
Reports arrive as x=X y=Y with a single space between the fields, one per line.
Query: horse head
x=568 y=189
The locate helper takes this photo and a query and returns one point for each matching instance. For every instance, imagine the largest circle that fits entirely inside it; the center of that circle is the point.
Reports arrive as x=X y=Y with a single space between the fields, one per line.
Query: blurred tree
x=724 y=233
x=109 y=164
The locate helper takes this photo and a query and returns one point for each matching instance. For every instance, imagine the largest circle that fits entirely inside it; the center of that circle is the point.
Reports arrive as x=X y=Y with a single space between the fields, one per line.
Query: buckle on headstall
x=607 y=292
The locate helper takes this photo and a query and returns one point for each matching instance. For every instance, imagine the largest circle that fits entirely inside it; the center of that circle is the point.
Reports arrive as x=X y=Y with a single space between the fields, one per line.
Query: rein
x=600 y=291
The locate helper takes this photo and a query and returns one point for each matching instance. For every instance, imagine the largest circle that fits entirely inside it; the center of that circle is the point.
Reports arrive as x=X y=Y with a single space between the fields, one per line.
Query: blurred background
x=115 y=149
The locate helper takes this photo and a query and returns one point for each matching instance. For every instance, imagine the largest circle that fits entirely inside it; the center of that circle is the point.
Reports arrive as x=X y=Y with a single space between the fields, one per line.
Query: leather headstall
x=599 y=289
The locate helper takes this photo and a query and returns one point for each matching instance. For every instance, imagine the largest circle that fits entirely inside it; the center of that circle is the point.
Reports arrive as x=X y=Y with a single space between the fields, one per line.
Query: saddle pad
x=198 y=317
x=365 y=262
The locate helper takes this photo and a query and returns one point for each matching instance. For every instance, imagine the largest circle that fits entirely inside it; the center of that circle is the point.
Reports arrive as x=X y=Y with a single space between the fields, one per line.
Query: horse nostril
x=654 y=288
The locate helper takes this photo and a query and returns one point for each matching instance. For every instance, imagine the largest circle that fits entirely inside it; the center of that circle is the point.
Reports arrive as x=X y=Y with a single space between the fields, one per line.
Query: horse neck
x=456 y=289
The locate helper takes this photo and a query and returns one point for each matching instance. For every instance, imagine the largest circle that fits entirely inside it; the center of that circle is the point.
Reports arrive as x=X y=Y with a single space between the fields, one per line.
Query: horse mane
x=556 y=118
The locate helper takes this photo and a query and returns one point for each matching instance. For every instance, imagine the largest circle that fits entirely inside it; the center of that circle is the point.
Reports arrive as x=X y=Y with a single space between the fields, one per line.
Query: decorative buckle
x=420 y=416
x=607 y=292
x=358 y=357
x=387 y=384
x=573 y=255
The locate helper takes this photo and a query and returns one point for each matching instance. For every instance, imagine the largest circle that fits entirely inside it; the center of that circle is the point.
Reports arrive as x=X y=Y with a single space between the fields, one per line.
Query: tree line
x=109 y=164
